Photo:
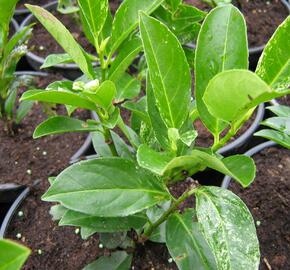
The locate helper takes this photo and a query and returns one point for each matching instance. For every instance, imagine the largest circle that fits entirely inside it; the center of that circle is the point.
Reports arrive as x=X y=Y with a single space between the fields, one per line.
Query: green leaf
x=55 y=59
x=94 y=14
x=275 y=136
x=221 y=45
x=168 y=70
x=113 y=240
x=239 y=167
x=122 y=28
x=12 y=255
x=23 y=110
x=151 y=160
x=104 y=95
x=274 y=64
x=280 y=123
x=87 y=232
x=191 y=250
x=157 y=123
x=62 y=124
x=57 y=211
x=127 y=87
x=280 y=110
x=103 y=188
x=101 y=224
x=119 y=260
x=64 y=38
x=231 y=94
x=59 y=97
x=188 y=137
x=67 y=6
x=127 y=53
x=173 y=4
x=7 y=10
x=228 y=227
x=138 y=108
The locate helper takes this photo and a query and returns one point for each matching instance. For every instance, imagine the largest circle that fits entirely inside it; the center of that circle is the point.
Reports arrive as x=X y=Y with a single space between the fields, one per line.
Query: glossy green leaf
x=280 y=110
x=173 y=4
x=62 y=124
x=103 y=188
x=275 y=136
x=239 y=167
x=228 y=227
x=221 y=45
x=188 y=137
x=118 y=260
x=127 y=87
x=231 y=94
x=12 y=255
x=104 y=95
x=64 y=38
x=138 y=108
x=94 y=14
x=274 y=64
x=87 y=232
x=55 y=59
x=127 y=53
x=168 y=70
x=59 y=97
x=158 y=125
x=101 y=224
x=7 y=10
x=152 y=160
x=113 y=240
x=129 y=9
x=191 y=250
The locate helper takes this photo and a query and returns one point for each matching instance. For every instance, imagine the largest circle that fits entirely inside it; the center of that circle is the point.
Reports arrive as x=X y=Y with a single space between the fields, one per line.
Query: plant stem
x=147 y=232
x=124 y=129
x=110 y=142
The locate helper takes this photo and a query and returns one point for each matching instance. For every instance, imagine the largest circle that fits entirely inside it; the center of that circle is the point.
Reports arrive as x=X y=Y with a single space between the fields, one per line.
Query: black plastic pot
x=70 y=71
x=88 y=142
x=254 y=52
x=250 y=153
x=11 y=196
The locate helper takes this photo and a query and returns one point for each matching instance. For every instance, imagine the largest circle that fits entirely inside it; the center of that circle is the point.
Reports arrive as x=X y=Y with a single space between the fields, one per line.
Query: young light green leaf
x=122 y=28
x=94 y=14
x=101 y=224
x=221 y=45
x=274 y=64
x=64 y=38
x=152 y=160
x=59 y=97
x=62 y=124
x=231 y=94
x=127 y=87
x=12 y=255
x=188 y=137
x=191 y=250
x=108 y=189
x=275 y=136
x=119 y=260
x=138 y=109
x=280 y=123
x=228 y=227
x=55 y=59
x=168 y=70
x=127 y=53
x=7 y=10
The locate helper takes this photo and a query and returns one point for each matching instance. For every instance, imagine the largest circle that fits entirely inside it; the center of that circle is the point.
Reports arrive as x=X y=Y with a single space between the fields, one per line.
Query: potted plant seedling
x=127 y=186
x=11 y=51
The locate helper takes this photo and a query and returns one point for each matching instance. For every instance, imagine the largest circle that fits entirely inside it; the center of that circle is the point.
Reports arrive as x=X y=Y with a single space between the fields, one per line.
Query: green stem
x=124 y=129
x=150 y=229
x=110 y=142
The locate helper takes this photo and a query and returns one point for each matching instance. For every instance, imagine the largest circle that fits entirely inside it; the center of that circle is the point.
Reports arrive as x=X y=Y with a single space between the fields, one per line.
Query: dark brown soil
x=284 y=100
x=262 y=17
x=21 y=3
x=268 y=199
